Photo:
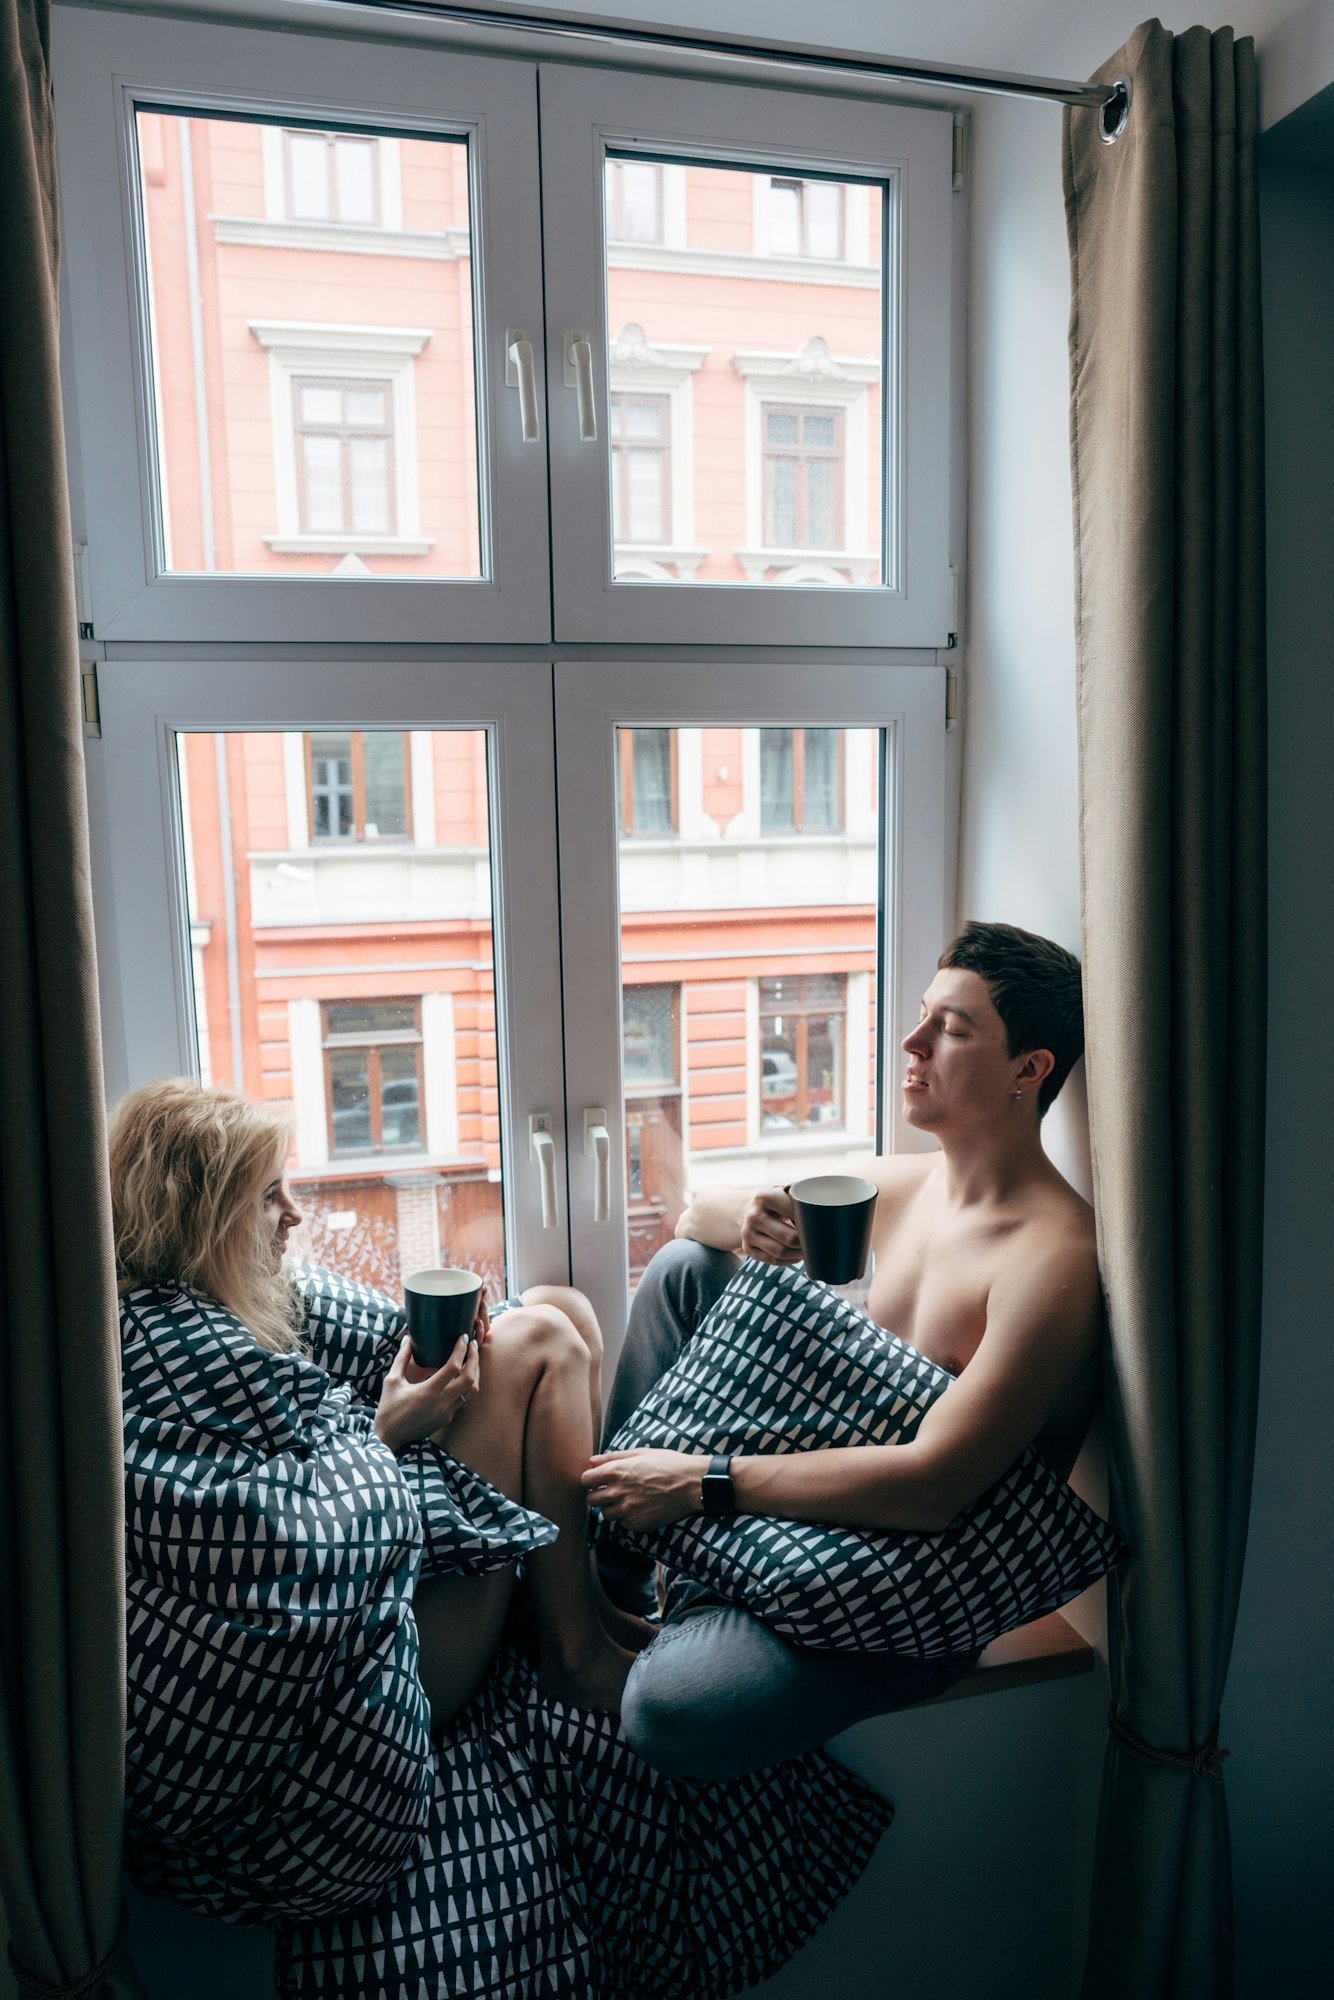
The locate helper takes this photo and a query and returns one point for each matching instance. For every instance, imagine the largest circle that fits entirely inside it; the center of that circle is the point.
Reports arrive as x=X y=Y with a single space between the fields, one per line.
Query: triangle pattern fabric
x=782 y=1363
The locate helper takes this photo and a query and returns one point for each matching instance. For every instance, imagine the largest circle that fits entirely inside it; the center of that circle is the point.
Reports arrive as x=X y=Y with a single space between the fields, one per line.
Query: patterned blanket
x=279 y=1766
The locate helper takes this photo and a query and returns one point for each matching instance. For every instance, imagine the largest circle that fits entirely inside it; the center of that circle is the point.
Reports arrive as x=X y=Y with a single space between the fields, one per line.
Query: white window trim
x=375 y=353
x=438 y=1076
x=692 y=820
x=389 y=161
x=662 y=367
x=856 y=220
x=857 y=1055
x=673 y=213
x=838 y=382
x=305 y=1044
x=421 y=779
x=294 y=786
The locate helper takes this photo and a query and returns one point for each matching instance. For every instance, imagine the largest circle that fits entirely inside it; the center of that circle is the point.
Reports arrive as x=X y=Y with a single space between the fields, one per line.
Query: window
x=331 y=177
x=801 y=780
x=806 y=218
x=373 y=1075
x=802 y=1035
x=359 y=786
x=641 y=468
x=344 y=456
x=634 y=201
x=803 y=477
x=654 y=1155
x=648 y=781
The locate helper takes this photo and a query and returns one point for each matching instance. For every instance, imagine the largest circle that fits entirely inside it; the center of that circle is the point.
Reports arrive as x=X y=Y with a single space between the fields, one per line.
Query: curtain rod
x=1110 y=100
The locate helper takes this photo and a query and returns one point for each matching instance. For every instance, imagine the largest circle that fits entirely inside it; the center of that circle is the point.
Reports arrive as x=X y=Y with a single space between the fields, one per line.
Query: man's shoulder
x=897 y=1174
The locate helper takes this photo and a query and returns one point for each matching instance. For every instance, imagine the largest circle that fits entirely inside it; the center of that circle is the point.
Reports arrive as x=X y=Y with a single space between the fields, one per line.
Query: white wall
x=1019 y=859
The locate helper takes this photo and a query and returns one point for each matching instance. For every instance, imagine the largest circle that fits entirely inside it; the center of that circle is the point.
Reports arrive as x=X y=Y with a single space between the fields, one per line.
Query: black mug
x=441 y=1308
x=833 y=1214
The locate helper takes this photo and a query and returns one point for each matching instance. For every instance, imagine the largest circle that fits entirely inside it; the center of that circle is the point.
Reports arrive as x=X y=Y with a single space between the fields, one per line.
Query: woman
x=200 y=1199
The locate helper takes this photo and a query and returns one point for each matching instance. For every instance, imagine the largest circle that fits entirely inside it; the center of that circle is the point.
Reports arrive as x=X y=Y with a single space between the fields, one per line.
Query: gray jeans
x=717 y=1693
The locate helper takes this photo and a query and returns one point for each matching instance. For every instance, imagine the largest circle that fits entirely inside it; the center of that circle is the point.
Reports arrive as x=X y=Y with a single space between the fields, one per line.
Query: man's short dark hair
x=1035 y=987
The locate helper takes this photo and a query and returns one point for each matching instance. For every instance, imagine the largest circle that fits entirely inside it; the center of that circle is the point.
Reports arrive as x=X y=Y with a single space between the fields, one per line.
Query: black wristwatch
x=717 y=1493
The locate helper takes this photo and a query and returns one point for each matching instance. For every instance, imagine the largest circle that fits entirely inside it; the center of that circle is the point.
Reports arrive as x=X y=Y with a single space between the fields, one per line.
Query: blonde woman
x=201 y=1202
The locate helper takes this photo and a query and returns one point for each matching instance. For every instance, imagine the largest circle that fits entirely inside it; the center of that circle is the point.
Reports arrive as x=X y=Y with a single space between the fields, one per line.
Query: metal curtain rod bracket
x=1111 y=101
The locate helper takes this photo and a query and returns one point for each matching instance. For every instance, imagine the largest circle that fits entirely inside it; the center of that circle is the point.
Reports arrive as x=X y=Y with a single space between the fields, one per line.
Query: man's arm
x=1043 y=1323
x=756 y=1222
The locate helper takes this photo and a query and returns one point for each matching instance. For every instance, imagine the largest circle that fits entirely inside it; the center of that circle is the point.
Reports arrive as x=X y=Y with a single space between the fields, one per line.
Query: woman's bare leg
x=623 y=1626
x=529 y=1431
x=459 y=1621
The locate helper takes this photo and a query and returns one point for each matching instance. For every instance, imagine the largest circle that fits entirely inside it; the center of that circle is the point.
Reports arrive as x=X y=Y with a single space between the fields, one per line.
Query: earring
x=1016 y=1093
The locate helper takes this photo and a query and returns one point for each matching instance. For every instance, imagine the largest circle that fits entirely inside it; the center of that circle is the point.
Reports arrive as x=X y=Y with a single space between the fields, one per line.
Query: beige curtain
x=62 y=1621
x=1166 y=438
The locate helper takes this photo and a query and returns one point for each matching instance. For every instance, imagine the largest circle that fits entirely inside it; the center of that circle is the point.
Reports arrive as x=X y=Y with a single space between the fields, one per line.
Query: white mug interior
x=833 y=1190
x=442 y=1284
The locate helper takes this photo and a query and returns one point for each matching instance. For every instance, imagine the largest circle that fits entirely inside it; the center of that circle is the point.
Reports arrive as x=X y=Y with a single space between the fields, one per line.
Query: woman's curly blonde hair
x=189 y=1167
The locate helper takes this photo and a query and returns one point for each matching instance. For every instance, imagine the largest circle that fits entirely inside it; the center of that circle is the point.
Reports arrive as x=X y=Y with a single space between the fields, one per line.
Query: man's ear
x=1035 y=1068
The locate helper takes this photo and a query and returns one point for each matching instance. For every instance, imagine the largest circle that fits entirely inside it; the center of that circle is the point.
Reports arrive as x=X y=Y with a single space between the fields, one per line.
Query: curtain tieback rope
x=1206 y=1762
x=82 y=1989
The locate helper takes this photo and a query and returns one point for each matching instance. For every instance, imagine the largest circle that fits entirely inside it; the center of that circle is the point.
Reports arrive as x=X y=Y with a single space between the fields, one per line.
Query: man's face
x=959 y=1072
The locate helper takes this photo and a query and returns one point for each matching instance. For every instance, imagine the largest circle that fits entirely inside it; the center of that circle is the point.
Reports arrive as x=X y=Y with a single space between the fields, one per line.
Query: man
x=985 y=1261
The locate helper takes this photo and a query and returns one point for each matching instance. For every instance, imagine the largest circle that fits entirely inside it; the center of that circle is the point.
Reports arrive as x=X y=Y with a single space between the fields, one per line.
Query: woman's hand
x=767 y=1229
x=415 y=1402
x=646 y=1489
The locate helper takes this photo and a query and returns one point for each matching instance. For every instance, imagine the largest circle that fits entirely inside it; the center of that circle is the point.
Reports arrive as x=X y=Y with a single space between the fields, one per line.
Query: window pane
x=820 y=786
x=386 y=801
x=640 y=213
x=405 y=317
x=400 y=1108
x=641 y=420
x=353 y=990
x=308 y=169
x=824 y=219
x=322 y=459
x=748 y=973
x=368 y=460
x=649 y=1018
x=644 y=469
x=354 y=178
x=350 y=1098
x=776 y=801
x=331 y=786
x=725 y=348
x=652 y=768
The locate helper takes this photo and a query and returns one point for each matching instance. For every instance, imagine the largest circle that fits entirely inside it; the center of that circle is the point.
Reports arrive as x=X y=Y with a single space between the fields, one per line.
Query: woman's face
x=281 y=1216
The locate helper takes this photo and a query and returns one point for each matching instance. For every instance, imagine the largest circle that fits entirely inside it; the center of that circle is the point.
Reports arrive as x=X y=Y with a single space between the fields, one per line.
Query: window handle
x=542 y=1148
x=579 y=377
x=597 y=1143
x=521 y=375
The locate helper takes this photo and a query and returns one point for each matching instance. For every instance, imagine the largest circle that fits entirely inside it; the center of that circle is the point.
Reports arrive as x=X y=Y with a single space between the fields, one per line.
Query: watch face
x=716 y=1493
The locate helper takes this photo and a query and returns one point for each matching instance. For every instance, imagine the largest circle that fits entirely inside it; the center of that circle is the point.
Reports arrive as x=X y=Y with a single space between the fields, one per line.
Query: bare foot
x=623 y=1626
x=597 y=1680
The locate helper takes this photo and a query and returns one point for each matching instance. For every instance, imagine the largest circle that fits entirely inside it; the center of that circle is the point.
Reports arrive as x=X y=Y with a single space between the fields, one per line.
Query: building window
x=373 y=1075
x=648 y=781
x=801 y=780
x=654 y=1153
x=802 y=1036
x=806 y=218
x=634 y=201
x=359 y=785
x=641 y=468
x=344 y=456
x=331 y=177
x=803 y=476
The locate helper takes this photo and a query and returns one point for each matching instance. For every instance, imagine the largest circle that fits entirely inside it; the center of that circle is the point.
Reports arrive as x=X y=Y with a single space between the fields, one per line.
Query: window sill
x=1049 y=1649
x=348 y=545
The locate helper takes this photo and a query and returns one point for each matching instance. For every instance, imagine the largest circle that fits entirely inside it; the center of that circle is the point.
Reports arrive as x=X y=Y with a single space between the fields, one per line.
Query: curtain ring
x=1114 y=111
x=82 y=1989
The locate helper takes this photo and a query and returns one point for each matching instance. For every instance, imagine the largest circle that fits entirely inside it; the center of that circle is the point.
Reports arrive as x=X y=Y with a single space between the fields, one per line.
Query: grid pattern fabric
x=782 y=1363
x=279 y=1764
x=556 y=1863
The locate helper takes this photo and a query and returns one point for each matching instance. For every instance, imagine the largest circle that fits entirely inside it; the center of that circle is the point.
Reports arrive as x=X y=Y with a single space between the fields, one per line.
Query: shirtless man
x=985 y=1261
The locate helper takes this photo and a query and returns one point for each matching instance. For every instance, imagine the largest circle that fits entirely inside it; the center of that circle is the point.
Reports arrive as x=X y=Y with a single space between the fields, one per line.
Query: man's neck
x=991 y=1168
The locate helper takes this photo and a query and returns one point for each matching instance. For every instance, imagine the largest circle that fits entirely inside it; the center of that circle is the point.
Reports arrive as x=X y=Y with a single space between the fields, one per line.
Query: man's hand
x=415 y=1402
x=646 y=1489
x=767 y=1229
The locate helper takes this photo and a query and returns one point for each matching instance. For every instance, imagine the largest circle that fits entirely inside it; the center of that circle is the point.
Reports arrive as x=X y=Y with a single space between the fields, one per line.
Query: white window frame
x=591 y=112
x=108 y=63
x=379 y=354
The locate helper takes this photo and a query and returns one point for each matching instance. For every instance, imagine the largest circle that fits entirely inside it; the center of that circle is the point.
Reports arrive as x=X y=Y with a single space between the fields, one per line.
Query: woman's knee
x=576 y=1308
x=540 y=1335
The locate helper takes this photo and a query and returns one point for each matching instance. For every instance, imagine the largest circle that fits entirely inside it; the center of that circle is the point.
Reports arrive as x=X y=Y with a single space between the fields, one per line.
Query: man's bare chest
x=934 y=1296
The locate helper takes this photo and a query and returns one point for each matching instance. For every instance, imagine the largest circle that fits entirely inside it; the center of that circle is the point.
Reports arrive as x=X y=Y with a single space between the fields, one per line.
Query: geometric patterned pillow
x=782 y=1363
